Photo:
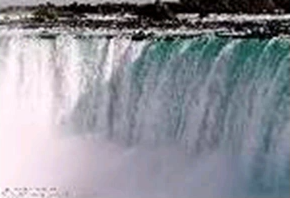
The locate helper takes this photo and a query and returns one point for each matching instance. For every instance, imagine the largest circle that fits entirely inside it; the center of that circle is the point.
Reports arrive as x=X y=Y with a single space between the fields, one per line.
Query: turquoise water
x=231 y=94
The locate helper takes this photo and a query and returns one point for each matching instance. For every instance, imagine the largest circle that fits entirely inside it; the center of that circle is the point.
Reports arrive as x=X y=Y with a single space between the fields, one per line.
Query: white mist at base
x=94 y=167
x=91 y=166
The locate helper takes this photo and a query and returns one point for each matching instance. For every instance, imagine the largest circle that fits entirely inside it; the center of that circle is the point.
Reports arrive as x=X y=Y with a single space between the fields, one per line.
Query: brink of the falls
x=98 y=117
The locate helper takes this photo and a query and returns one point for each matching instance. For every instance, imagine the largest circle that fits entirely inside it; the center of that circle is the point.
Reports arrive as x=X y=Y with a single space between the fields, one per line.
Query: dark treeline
x=186 y=6
x=238 y=6
x=161 y=10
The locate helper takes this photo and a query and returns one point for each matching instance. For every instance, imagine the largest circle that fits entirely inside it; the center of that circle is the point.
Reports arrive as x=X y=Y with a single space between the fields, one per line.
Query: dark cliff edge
x=169 y=20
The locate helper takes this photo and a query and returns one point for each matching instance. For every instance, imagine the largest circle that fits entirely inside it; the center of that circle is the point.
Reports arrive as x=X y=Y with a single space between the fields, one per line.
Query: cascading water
x=200 y=117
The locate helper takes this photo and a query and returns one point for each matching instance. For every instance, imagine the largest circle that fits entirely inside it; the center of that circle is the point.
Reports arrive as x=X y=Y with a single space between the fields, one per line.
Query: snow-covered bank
x=262 y=25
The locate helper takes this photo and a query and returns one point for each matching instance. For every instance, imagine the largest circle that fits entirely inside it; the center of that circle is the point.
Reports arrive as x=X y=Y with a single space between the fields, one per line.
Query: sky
x=4 y=3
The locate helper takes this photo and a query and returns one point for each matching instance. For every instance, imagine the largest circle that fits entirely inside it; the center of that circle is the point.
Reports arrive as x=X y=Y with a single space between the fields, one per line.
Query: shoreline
x=262 y=29
x=50 y=17
x=151 y=34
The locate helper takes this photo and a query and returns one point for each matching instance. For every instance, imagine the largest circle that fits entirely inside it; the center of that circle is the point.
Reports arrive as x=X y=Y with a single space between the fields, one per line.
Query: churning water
x=201 y=117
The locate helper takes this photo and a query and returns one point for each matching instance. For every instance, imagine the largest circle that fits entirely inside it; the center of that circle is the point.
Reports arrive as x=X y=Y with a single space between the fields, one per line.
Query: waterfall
x=205 y=116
